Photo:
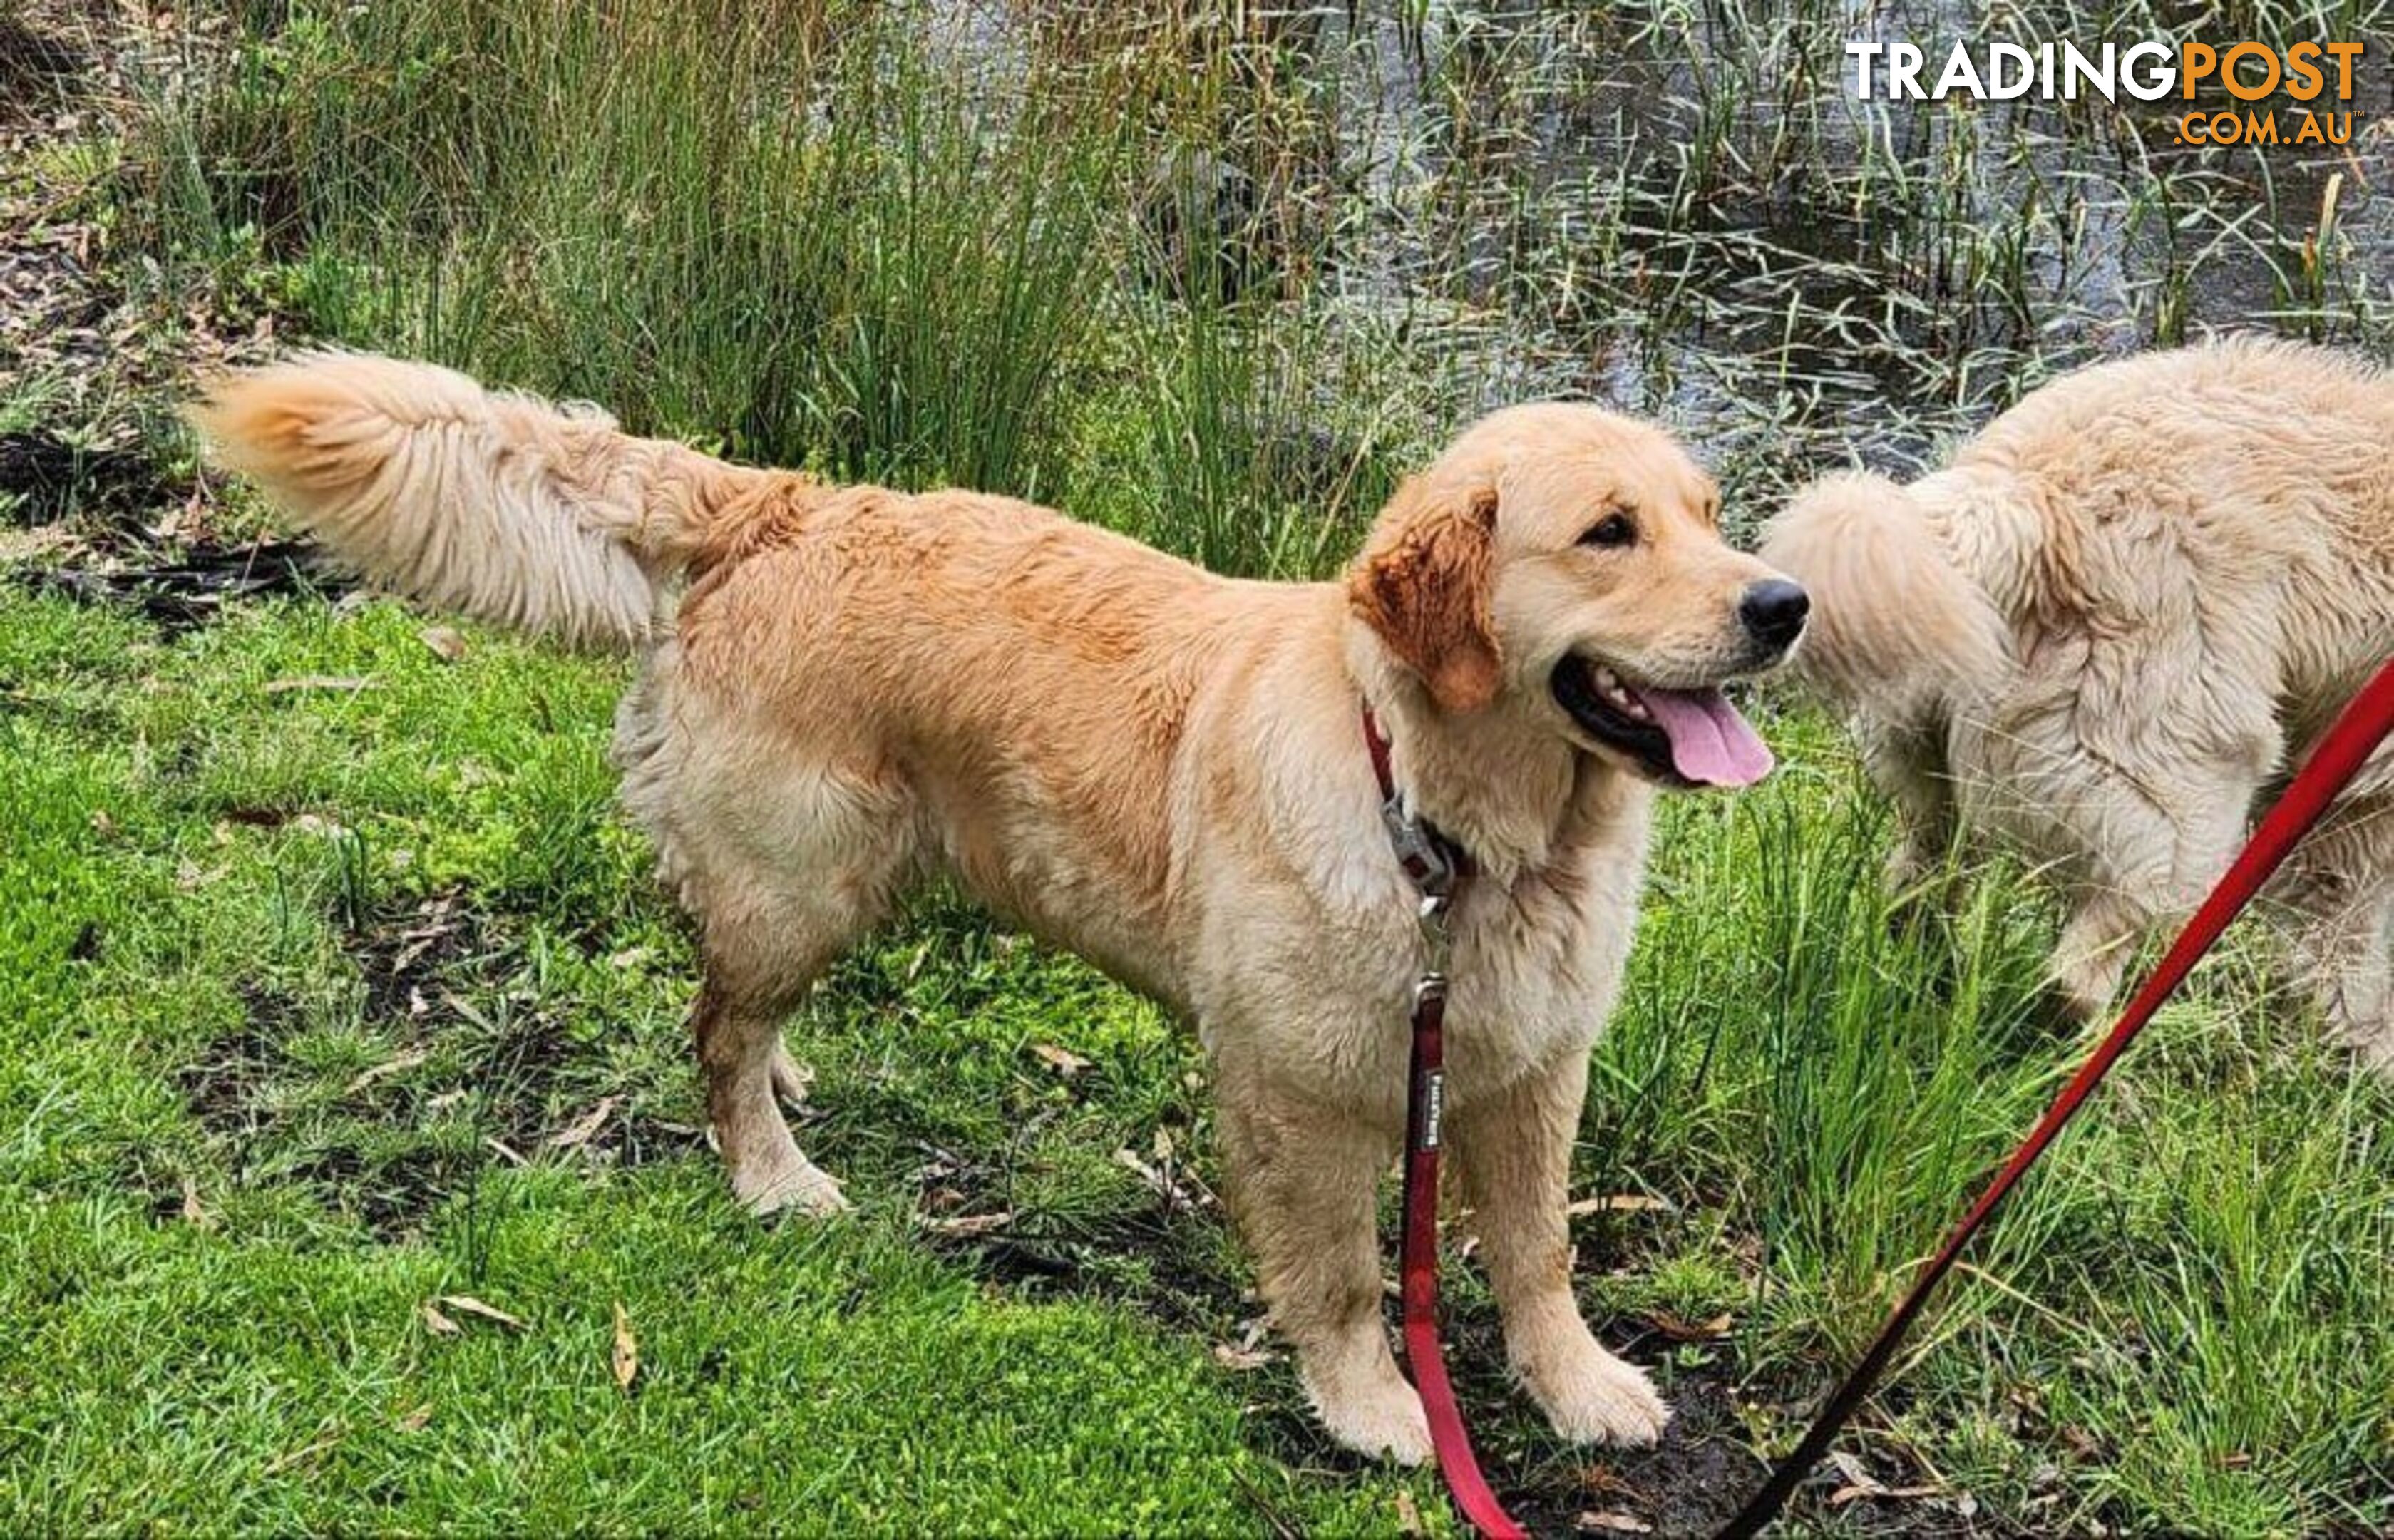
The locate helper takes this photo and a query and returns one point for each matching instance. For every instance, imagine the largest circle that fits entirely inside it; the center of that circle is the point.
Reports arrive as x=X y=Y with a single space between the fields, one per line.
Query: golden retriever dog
x=1166 y=771
x=2119 y=616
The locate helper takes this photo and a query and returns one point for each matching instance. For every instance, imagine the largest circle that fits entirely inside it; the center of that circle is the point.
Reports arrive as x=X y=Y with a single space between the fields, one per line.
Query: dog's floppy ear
x=1422 y=583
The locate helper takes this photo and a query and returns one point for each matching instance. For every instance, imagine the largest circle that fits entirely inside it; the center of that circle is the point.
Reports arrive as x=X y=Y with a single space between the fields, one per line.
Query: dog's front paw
x=1384 y=1423
x=1592 y=1397
x=1362 y=1402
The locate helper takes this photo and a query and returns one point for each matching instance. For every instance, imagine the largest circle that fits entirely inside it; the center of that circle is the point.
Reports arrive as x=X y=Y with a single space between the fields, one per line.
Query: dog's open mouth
x=1685 y=737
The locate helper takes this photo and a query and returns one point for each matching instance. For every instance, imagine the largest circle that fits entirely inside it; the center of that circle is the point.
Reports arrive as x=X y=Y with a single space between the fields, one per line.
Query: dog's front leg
x=1512 y=1151
x=1304 y=1176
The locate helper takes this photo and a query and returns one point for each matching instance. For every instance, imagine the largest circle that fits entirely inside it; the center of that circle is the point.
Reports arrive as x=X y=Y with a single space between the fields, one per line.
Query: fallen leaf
x=1614 y=1523
x=585 y=1127
x=420 y=941
x=1240 y=1359
x=467 y=1010
x=1860 y=1484
x=1857 y=1474
x=1062 y=1060
x=506 y=1151
x=413 y=1422
x=625 y=1358
x=330 y=1435
x=193 y=1213
x=465 y=1304
x=1619 y=1203
x=970 y=1224
x=1607 y=1481
x=1678 y=1328
x=1845 y=1494
x=437 y=1324
x=1409 y=1514
x=1128 y=1159
x=350 y=683
x=384 y=1071
x=446 y=642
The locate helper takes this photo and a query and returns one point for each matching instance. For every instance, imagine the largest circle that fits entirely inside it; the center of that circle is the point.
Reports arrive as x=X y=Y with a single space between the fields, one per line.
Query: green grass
x=189 y=1020
x=241 y=1157
x=318 y=1004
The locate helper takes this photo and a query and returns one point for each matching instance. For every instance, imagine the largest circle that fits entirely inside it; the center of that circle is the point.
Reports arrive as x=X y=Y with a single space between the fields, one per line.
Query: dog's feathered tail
x=1899 y=631
x=501 y=507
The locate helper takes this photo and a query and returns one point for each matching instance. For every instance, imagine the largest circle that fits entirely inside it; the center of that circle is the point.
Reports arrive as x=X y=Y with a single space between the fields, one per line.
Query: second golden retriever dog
x=1161 y=769
x=2119 y=616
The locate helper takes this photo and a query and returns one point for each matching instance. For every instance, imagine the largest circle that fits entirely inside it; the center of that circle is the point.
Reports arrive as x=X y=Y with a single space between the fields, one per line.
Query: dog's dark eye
x=1614 y=528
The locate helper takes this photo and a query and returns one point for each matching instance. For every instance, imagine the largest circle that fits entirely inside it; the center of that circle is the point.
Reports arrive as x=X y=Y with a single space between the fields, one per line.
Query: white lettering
x=2000 y=54
x=2159 y=83
x=2076 y=66
x=1903 y=72
x=1959 y=71
x=1861 y=54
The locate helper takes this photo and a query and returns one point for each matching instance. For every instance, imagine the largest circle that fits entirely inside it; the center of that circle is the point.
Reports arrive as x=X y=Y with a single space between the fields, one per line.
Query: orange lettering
x=2235 y=82
x=2305 y=79
x=2344 y=54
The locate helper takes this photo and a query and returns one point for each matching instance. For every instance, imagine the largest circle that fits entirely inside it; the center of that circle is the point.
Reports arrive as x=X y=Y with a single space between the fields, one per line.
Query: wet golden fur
x=2117 y=618
x=1156 y=766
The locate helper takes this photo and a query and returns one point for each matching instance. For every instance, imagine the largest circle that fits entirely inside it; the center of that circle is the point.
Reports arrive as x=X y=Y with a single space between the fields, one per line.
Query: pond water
x=1682 y=209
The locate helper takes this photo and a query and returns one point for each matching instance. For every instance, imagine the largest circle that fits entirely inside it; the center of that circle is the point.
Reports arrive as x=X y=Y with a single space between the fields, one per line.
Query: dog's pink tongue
x=1711 y=744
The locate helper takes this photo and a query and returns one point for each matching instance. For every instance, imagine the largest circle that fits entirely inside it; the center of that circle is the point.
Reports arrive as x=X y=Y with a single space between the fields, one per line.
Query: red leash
x=2338 y=757
x=1417 y=1269
x=2347 y=745
x=1437 y=867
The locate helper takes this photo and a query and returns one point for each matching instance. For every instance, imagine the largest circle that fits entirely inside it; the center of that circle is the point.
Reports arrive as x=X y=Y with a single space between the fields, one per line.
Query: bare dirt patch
x=476 y=1071
x=192 y=582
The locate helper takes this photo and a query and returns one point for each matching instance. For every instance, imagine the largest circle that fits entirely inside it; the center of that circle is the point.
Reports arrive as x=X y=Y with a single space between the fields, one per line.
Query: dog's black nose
x=1773 y=612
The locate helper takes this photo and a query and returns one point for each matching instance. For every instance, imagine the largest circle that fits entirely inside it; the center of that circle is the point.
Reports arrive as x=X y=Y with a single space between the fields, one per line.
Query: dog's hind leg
x=2093 y=952
x=2340 y=886
x=775 y=908
x=1908 y=767
x=2146 y=865
x=790 y=1078
x=738 y=1027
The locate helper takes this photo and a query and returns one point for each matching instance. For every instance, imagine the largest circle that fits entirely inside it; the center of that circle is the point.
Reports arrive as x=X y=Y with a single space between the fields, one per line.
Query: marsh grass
x=791 y=235
x=1216 y=278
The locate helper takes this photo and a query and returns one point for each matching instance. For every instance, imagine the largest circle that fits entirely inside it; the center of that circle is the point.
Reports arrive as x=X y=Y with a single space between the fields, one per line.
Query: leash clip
x=1419 y=851
x=1430 y=868
x=1438 y=937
